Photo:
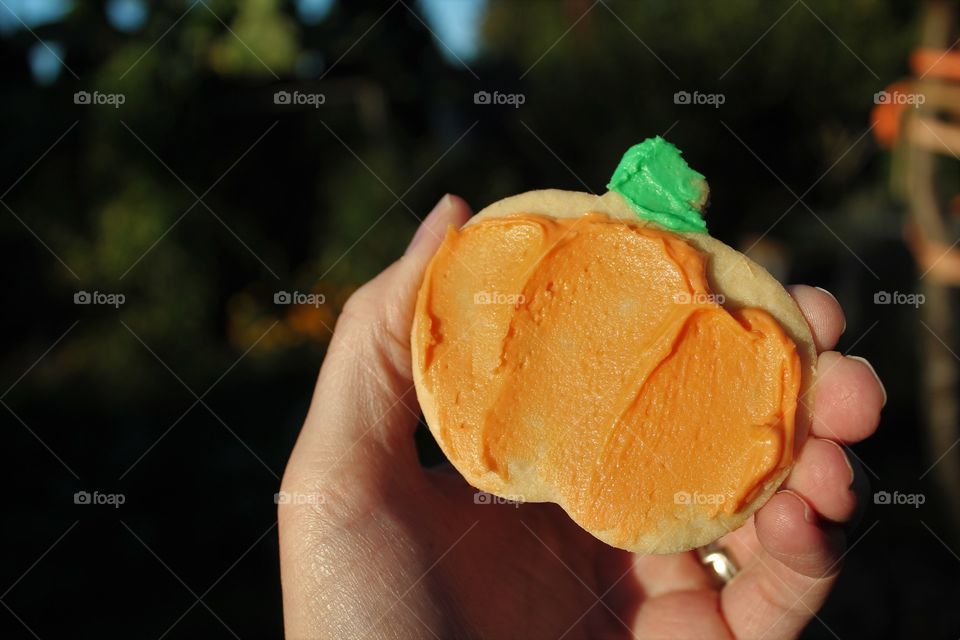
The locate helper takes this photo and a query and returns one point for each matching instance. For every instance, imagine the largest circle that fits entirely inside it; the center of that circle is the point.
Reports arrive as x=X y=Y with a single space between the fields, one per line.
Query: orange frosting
x=592 y=354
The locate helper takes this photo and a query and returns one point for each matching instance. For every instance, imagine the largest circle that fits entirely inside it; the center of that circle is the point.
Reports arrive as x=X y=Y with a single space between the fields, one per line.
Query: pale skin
x=389 y=549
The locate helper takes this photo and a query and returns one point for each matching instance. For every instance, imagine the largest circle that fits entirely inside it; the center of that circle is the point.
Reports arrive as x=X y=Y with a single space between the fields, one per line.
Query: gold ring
x=718 y=562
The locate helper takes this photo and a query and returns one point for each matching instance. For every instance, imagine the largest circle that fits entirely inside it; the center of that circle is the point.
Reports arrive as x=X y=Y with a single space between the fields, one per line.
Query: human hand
x=390 y=549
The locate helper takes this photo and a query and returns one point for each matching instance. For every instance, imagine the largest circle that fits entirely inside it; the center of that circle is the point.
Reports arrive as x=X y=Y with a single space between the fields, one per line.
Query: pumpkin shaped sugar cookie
x=606 y=354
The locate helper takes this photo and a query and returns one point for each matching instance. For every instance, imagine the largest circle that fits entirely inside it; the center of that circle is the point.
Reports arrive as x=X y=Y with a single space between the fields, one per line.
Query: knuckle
x=302 y=505
x=377 y=326
x=360 y=308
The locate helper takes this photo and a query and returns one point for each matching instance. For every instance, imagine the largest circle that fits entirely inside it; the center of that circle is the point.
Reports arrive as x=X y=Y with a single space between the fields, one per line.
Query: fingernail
x=874 y=372
x=846 y=458
x=442 y=205
x=808 y=515
x=838 y=303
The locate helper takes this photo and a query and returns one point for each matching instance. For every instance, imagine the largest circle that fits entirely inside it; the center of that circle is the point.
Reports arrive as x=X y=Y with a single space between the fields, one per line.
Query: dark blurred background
x=148 y=154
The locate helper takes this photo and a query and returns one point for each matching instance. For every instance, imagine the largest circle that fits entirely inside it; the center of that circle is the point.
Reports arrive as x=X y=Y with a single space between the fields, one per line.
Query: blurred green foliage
x=198 y=95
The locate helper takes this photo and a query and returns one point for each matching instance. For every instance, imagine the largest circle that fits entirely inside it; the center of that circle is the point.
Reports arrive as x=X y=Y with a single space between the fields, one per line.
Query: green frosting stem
x=659 y=186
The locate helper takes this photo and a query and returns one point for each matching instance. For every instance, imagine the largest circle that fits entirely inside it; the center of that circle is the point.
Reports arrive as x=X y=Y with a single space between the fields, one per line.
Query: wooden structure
x=919 y=118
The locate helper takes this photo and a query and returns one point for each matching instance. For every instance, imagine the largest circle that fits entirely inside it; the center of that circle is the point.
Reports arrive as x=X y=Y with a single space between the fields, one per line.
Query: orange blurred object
x=888 y=112
x=935 y=63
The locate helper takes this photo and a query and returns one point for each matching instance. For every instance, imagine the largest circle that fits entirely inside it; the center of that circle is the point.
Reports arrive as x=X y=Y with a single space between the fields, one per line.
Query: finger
x=786 y=581
x=364 y=390
x=791 y=532
x=823 y=314
x=680 y=614
x=355 y=417
x=848 y=397
x=660 y=574
x=824 y=477
x=381 y=311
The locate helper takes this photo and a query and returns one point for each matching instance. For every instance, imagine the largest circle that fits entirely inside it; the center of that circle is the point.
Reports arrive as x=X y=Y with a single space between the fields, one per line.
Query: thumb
x=381 y=311
x=364 y=389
